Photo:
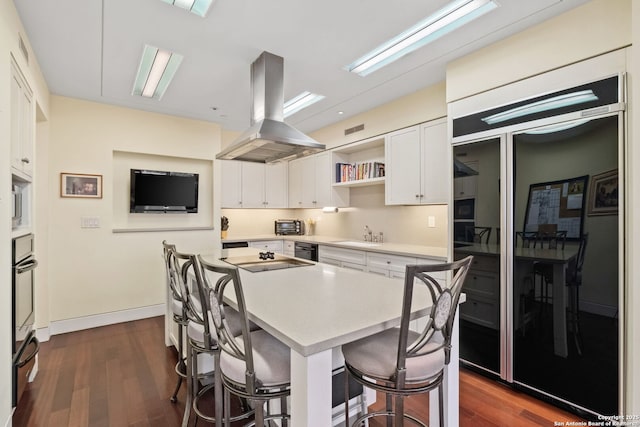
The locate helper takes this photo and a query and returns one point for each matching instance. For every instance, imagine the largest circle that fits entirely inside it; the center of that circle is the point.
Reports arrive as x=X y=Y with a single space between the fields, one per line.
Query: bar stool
x=254 y=365
x=400 y=362
x=178 y=311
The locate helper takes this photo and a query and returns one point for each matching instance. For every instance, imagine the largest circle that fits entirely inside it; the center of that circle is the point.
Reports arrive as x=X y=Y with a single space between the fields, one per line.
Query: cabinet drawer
x=482 y=283
x=346 y=255
x=480 y=311
x=389 y=262
x=289 y=247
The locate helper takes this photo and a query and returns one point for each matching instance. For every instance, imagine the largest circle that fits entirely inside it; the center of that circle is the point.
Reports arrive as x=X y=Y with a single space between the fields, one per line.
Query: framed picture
x=603 y=197
x=80 y=185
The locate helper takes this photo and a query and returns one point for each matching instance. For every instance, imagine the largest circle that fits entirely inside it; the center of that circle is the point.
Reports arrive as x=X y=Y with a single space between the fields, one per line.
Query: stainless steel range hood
x=269 y=139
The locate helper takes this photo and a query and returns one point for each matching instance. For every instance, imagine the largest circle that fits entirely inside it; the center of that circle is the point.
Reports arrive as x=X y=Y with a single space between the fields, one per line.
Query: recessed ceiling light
x=340 y=112
x=453 y=16
x=199 y=7
x=299 y=102
x=157 y=68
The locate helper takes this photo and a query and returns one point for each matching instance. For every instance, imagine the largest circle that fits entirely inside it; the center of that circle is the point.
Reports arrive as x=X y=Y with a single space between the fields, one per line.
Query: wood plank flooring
x=123 y=375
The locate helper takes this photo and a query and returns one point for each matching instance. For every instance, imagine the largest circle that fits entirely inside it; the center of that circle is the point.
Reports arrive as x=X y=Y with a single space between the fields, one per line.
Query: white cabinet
x=22 y=125
x=387 y=264
x=311 y=180
x=289 y=248
x=417 y=165
x=268 y=245
x=253 y=185
x=340 y=257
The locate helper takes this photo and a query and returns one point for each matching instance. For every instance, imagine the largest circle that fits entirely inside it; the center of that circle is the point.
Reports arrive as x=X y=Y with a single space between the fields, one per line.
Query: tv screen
x=163 y=192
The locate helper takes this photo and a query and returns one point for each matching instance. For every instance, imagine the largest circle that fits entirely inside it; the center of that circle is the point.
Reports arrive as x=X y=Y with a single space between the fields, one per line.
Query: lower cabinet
x=289 y=248
x=340 y=257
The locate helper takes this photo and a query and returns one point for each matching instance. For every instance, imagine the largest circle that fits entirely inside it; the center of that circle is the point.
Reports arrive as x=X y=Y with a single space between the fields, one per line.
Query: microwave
x=289 y=227
x=16 y=206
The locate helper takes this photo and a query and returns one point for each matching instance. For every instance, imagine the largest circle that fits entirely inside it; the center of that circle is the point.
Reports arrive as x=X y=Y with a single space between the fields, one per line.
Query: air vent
x=23 y=48
x=354 y=129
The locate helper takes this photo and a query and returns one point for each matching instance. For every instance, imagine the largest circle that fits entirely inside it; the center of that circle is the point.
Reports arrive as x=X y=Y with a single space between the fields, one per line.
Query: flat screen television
x=163 y=192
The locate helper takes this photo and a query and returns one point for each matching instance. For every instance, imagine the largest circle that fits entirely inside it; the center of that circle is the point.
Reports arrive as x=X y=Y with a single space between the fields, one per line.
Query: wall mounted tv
x=163 y=192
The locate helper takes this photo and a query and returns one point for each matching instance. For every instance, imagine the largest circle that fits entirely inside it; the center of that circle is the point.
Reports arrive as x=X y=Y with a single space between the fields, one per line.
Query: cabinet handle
x=388 y=262
x=24 y=160
x=417 y=195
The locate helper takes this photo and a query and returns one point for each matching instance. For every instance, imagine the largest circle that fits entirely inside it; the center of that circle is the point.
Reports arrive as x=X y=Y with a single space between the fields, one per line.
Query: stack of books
x=346 y=172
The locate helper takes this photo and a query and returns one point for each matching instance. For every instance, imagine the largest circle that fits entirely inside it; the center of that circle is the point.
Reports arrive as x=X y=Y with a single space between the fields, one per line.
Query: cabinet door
x=253 y=185
x=308 y=182
x=465 y=187
x=323 y=175
x=435 y=172
x=22 y=123
x=295 y=183
x=402 y=158
x=231 y=184
x=275 y=185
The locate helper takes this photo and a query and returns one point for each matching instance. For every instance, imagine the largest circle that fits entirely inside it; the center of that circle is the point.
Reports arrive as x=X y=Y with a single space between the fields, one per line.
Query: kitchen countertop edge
x=401 y=249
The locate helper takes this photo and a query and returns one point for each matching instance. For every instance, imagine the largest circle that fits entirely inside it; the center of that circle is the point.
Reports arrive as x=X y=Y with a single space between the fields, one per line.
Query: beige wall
x=421 y=106
x=97 y=271
x=597 y=27
x=400 y=224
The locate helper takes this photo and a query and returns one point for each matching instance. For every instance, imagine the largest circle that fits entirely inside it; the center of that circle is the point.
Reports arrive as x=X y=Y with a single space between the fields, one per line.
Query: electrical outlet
x=90 y=222
x=431 y=221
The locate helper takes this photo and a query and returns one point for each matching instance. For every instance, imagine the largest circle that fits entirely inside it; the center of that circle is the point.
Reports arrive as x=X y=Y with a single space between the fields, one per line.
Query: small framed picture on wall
x=86 y=186
x=603 y=198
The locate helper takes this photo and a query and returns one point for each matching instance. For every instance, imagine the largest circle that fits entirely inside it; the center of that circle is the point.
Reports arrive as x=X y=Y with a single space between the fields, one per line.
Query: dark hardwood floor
x=122 y=375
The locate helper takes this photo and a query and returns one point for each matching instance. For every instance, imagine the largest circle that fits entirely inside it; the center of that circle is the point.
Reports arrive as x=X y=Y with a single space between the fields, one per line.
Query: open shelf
x=361 y=182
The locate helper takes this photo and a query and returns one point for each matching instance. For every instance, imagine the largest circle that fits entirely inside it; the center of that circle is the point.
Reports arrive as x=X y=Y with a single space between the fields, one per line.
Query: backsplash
x=400 y=224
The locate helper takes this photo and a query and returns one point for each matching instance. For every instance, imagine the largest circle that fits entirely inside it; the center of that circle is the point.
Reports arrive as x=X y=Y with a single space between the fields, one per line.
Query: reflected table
x=559 y=259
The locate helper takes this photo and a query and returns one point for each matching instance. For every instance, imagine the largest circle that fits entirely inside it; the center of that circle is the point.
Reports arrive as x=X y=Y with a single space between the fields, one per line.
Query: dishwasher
x=306 y=250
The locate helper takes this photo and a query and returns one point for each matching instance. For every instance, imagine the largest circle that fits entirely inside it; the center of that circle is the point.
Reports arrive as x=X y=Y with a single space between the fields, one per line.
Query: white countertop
x=319 y=307
x=433 y=252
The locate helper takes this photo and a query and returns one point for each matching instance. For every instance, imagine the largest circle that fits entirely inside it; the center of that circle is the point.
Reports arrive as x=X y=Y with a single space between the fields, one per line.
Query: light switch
x=89 y=222
x=431 y=221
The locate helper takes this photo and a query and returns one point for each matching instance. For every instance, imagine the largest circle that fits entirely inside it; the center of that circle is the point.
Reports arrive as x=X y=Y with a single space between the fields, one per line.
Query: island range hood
x=269 y=139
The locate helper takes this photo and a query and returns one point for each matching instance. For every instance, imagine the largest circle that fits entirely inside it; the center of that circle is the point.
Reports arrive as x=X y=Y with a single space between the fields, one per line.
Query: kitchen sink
x=359 y=243
x=255 y=264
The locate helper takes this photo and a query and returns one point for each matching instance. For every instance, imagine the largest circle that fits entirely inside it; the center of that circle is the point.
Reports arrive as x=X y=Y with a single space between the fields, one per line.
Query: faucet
x=367 y=233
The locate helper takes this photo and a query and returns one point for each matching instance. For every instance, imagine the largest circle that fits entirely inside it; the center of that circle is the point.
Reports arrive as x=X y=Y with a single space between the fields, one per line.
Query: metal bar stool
x=400 y=362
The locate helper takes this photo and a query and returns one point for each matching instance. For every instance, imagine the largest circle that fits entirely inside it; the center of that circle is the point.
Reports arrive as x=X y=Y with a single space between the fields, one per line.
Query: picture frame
x=80 y=185
x=603 y=195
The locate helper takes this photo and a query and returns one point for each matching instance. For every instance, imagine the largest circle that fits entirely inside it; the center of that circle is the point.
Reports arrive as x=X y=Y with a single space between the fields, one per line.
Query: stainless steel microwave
x=289 y=227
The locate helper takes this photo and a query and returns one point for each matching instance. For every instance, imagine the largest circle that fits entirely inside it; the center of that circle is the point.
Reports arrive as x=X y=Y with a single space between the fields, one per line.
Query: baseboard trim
x=97 y=320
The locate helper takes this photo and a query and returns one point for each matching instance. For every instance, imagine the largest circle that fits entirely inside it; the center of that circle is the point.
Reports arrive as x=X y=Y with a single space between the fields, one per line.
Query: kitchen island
x=316 y=309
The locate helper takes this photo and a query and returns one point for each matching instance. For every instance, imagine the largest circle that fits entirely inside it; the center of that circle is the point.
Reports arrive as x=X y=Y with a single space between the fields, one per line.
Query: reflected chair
x=552 y=239
x=574 y=282
x=178 y=311
x=527 y=239
x=478 y=234
x=253 y=364
x=401 y=362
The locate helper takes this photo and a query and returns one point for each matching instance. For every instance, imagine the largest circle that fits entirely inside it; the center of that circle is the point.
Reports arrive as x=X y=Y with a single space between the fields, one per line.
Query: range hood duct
x=269 y=139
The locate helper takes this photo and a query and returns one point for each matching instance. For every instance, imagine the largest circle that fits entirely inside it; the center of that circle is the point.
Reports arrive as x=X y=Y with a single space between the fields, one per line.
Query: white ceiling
x=90 y=49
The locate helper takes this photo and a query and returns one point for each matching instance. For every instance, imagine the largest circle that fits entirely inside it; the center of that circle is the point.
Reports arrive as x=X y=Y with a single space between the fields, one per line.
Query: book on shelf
x=346 y=172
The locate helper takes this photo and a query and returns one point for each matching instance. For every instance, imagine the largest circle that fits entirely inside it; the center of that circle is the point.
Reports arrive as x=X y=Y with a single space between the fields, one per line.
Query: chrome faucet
x=367 y=233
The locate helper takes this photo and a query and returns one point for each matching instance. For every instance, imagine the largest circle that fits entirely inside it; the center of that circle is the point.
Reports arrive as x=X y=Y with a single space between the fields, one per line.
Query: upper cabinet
x=417 y=165
x=253 y=185
x=22 y=125
x=465 y=187
x=310 y=183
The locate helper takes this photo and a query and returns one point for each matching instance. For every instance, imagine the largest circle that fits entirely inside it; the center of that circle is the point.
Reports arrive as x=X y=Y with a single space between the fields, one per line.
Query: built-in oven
x=25 y=343
x=306 y=250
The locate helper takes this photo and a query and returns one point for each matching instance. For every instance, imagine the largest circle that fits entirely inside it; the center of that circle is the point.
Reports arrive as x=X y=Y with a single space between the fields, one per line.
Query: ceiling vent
x=354 y=129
